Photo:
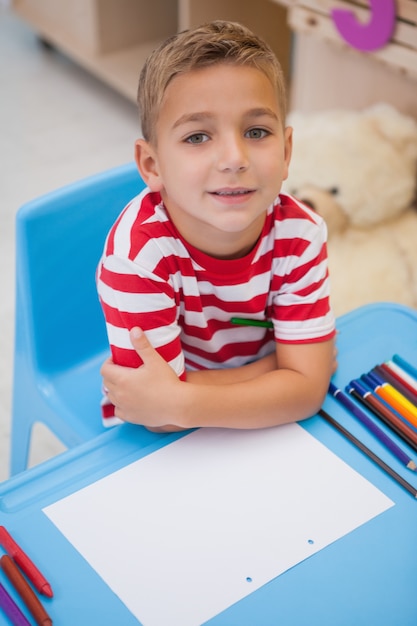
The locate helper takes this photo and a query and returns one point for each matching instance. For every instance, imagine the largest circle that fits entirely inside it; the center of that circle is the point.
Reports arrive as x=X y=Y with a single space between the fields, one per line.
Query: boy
x=212 y=239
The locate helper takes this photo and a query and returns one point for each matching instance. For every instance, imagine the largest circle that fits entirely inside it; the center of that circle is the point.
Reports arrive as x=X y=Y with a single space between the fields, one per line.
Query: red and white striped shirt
x=149 y=276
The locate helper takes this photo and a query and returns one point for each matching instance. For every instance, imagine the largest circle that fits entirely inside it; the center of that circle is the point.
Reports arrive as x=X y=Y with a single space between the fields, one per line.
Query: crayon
x=25 y=591
x=24 y=562
x=11 y=609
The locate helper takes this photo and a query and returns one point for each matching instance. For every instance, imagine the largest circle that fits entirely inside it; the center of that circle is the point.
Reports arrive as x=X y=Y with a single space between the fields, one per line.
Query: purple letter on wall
x=371 y=36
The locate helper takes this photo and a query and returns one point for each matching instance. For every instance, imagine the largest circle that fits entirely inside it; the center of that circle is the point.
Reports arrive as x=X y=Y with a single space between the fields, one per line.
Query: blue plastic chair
x=60 y=336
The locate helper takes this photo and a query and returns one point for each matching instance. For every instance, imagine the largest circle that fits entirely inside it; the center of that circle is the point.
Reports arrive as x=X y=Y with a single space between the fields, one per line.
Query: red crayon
x=24 y=562
x=25 y=591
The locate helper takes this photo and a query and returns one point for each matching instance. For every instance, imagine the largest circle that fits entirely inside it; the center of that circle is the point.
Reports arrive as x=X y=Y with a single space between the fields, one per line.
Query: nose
x=232 y=154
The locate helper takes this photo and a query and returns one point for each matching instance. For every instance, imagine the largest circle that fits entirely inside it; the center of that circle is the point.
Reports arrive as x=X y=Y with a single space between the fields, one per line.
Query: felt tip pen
x=385 y=371
x=410 y=380
x=243 y=321
x=405 y=365
x=371 y=426
x=395 y=393
x=389 y=416
x=24 y=562
x=402 y=377
x=391 y=396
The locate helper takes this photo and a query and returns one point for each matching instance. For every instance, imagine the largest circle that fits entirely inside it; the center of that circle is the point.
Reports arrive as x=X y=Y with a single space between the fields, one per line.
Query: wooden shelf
x=120 y=69
x=314 y=17
x=112 y=38
x=328 y=73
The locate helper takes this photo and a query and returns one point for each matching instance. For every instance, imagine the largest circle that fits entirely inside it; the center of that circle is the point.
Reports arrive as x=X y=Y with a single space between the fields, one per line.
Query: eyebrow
x=261 y=112
x=192 y=117
x=204 y=116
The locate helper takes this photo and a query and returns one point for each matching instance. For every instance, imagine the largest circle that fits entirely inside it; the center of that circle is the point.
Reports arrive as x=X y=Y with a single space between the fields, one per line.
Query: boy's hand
x=144 y=395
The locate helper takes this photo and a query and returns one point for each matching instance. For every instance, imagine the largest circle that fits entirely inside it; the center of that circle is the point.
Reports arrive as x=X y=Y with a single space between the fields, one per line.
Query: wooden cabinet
x=112 y=38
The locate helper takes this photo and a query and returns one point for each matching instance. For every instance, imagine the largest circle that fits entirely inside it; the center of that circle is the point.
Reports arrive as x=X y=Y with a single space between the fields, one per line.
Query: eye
x=334 y=191
x=256 y=133
x=197 y=138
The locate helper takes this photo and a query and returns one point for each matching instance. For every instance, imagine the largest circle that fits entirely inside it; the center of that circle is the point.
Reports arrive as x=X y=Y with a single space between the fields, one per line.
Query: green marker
x=242 y=321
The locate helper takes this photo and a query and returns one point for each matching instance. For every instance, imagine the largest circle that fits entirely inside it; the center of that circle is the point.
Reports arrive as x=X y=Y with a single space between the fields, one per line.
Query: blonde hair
x=206 y=45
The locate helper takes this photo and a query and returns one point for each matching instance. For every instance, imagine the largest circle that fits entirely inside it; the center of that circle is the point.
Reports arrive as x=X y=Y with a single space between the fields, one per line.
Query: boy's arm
x=226 y=376
x=258 y=395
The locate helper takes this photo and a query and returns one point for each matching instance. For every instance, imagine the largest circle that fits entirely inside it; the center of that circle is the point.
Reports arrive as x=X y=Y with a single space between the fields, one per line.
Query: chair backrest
x=59 y=239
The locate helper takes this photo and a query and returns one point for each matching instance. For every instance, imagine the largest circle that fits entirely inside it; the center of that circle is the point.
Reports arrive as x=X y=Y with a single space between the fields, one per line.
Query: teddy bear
x=358 y=170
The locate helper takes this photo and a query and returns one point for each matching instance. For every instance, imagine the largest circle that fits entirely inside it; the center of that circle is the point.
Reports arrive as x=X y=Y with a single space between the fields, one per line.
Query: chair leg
x=19 y=446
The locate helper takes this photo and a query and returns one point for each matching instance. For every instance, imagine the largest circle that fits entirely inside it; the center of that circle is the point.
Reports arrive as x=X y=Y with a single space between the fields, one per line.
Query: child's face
x=220 y=157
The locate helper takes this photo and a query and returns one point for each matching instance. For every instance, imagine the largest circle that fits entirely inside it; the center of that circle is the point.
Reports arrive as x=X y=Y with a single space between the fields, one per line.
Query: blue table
x=367 y=577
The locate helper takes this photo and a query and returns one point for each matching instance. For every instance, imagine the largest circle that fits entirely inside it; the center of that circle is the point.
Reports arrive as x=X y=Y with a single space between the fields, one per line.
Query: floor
x=58 y=124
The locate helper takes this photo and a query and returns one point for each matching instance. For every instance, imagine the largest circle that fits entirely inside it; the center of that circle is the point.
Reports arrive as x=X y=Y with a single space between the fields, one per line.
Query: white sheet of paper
x=183 y=533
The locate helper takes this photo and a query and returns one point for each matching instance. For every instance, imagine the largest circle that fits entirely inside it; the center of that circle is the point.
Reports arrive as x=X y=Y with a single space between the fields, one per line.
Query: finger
x=106 y=367
x=142 y=346
x=111 y=372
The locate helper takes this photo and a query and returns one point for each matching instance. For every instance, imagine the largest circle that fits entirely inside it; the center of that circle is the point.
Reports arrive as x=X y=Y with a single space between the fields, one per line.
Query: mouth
x=232 y=193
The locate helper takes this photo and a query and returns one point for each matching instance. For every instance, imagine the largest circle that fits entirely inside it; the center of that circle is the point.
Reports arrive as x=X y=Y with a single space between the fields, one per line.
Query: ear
x=287 y=150
x=147 y=164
